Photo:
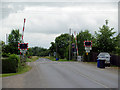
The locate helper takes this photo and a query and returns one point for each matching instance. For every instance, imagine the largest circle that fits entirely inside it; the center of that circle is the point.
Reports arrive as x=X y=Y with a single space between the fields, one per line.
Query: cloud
x=40 y=40
x=59 y=0
x=45 y=21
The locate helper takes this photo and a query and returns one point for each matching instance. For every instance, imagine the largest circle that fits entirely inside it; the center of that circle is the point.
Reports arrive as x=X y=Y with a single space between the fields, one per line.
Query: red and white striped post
x=76 y=42
x=23 y=33
x=23 y=28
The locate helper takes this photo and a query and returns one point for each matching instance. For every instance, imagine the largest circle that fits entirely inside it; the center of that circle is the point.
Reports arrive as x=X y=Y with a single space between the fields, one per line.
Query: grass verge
x=32 y=59
x=21 y=70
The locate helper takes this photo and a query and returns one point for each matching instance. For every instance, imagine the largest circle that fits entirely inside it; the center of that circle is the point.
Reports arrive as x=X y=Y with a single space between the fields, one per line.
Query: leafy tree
x=62 y=42
x=37 y=51
x=13 y=39
x=2 y=46
x=52 y=48
x=104 y=39
x=117 y=44
x=5 y=49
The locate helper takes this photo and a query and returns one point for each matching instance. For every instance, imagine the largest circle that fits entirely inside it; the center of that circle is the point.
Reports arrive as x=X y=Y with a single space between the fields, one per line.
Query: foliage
x=62 y=42
x=12 y=47
x=37 y=51
x=10 y=65
x=52 y=48
x=61 y=46
x=13 y=39
x=5 y=54
x=104 y=39
x=21 y=70
x=117 y=44
x=32 y=59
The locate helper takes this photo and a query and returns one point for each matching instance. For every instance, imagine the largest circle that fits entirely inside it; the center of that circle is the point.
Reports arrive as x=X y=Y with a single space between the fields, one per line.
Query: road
x=52 y=74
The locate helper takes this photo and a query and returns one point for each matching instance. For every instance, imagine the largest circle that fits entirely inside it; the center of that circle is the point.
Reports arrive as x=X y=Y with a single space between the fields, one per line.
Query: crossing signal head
x=88 y=43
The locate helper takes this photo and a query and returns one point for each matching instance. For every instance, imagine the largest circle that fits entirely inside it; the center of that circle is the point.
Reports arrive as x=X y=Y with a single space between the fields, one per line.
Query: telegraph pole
x=69 y=43
x=6 y=39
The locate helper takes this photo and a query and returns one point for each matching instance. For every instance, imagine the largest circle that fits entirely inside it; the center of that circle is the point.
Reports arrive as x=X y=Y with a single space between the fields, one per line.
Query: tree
x=104 y=39
x=62 y=42
x=13 y=39
x=117 y=44
x=52 y=48
x=2 y=46
x=37 y=51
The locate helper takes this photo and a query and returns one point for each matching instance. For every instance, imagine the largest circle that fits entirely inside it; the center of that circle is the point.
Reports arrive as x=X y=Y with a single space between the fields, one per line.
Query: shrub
x=10 y=65
x=5 y=54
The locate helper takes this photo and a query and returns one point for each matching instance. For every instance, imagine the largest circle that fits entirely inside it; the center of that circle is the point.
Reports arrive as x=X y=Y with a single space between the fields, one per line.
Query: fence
x=114 y=60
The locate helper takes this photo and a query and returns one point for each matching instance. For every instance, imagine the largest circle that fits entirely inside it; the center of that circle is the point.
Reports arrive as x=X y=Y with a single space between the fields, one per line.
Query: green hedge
x=5 y=54
x=10 y=65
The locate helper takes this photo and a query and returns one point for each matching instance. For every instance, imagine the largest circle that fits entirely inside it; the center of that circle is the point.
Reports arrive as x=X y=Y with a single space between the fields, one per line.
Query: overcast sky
x=46 y=20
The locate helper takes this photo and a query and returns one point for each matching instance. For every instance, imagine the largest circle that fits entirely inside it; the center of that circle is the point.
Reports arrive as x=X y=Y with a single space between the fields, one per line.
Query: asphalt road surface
x=52 y=74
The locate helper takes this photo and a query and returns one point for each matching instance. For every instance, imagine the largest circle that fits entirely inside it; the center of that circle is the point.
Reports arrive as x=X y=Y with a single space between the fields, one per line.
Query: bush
x=10 y=65
x=5 y=54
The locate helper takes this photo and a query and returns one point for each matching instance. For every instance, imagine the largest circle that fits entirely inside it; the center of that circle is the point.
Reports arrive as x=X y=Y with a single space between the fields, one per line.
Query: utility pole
x=69 y=43
x=6 y=39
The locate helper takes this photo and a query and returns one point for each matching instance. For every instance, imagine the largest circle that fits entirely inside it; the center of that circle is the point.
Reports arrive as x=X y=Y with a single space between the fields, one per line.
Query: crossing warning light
x=87 y=43
x=23 y=46
x=88 y=46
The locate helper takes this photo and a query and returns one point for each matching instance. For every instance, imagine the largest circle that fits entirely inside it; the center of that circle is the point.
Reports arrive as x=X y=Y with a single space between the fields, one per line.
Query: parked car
x=104 y=56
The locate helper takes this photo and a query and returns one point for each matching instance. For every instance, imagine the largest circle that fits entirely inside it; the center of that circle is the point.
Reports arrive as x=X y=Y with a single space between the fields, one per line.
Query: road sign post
x=88 y=46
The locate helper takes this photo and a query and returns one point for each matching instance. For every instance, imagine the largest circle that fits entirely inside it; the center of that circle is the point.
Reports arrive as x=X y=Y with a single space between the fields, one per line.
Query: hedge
x=10 y=65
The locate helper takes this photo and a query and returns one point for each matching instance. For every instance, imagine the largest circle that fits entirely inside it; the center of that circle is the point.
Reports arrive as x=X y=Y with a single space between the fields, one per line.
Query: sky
x=47 y=19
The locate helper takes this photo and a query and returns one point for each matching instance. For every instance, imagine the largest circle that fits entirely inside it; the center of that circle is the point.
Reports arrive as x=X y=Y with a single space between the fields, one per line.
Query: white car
x=104 y=56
